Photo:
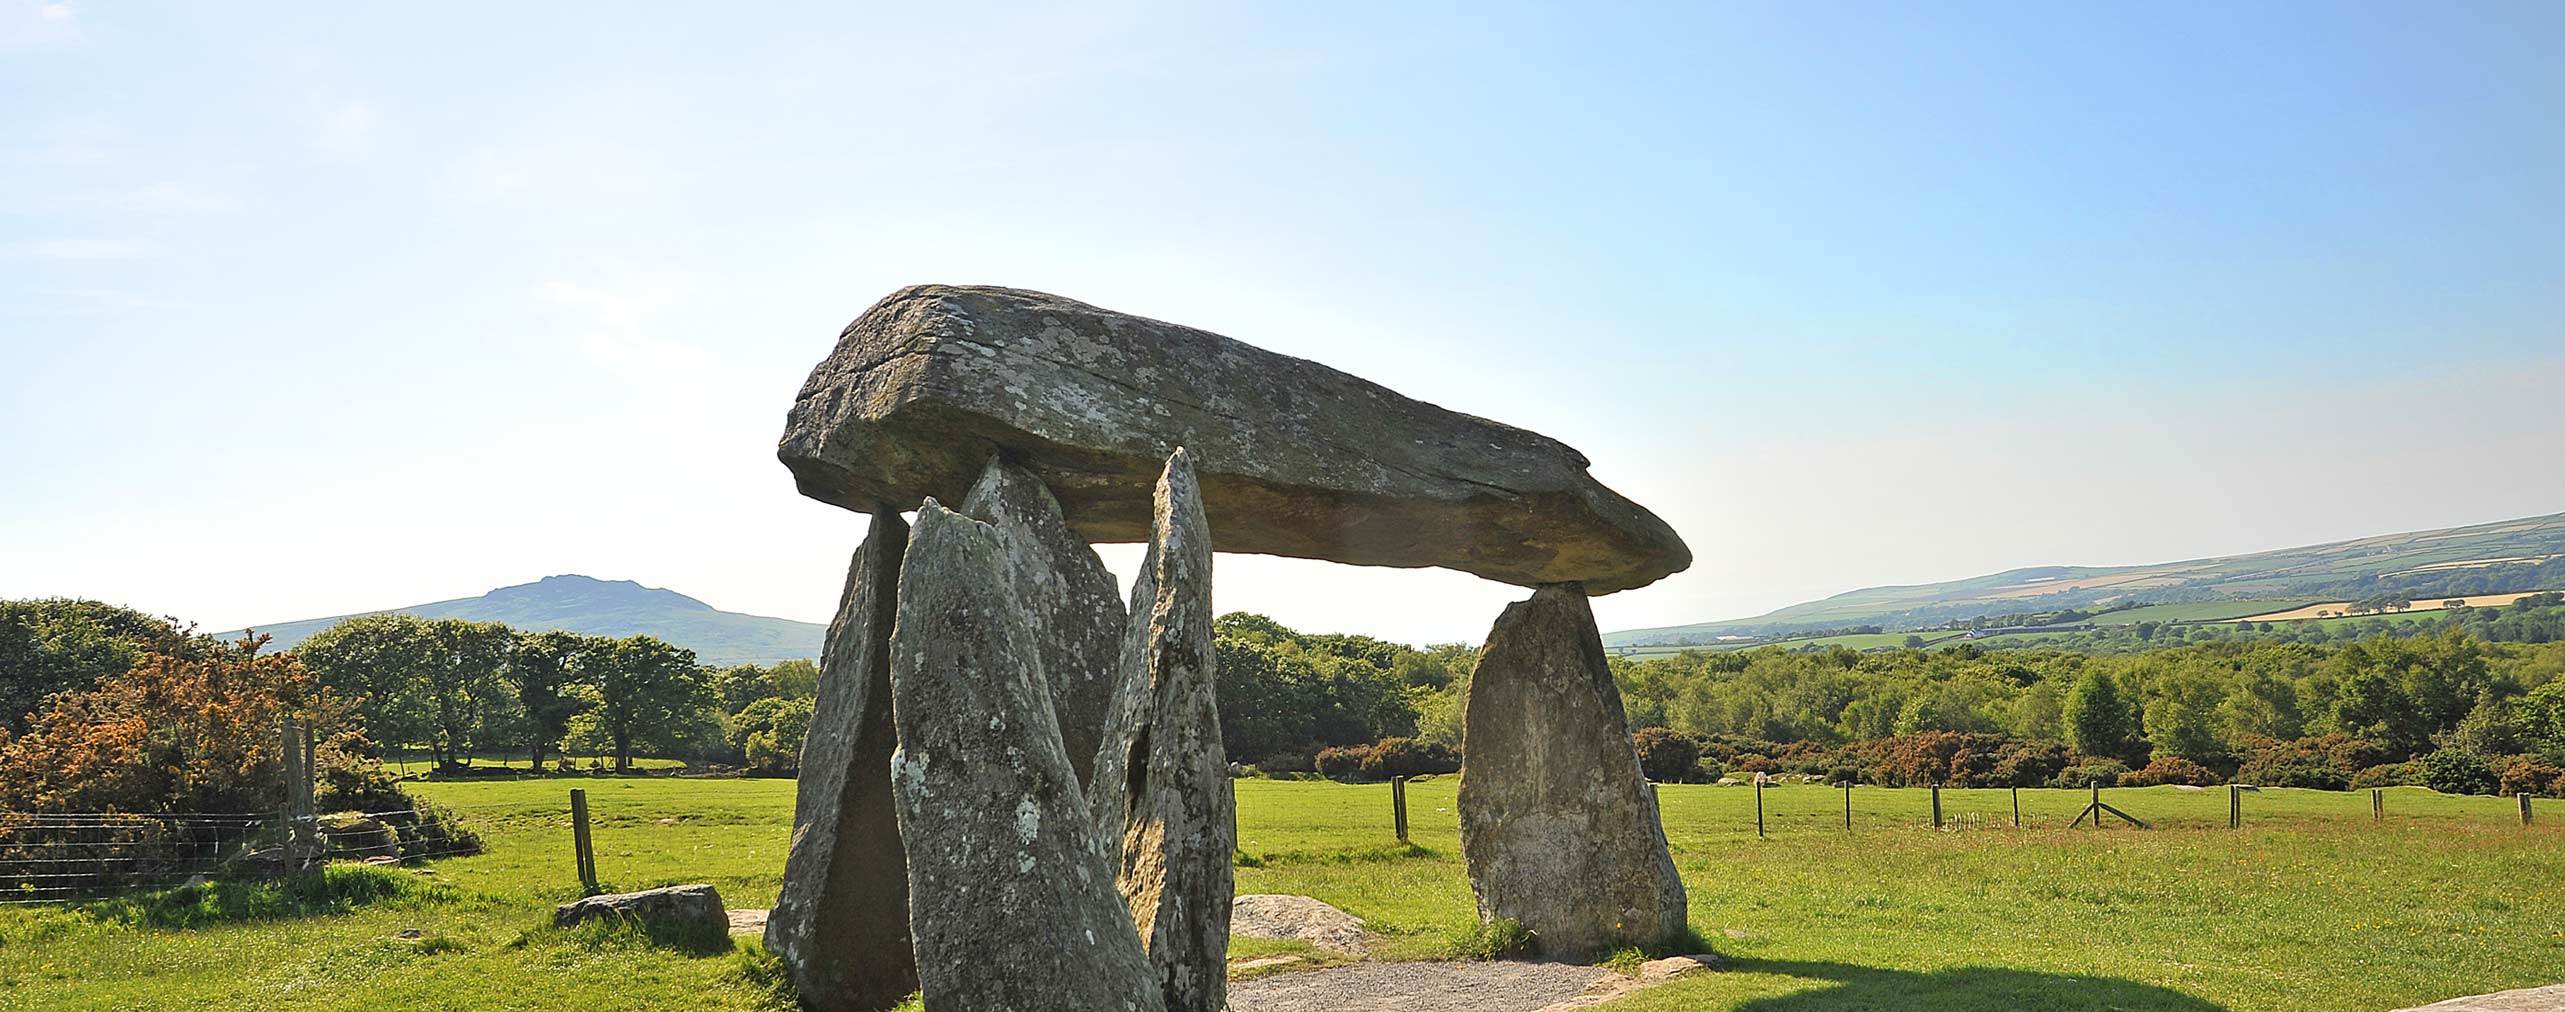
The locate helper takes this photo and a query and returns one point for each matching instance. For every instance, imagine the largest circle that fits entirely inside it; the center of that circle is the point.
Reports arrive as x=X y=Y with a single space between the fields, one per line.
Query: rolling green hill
x=610 y=608
x=2511 y=555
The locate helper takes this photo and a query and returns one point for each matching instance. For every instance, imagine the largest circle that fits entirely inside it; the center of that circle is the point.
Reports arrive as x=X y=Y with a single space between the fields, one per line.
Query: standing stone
x=840 y=924
x=1558 y=827
x=1162 y=797
x=1013 y=907
x=1072 y=599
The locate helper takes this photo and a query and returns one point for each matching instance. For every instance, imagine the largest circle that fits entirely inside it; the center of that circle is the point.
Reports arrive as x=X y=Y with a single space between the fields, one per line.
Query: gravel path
x=1417 y=987
x=2536 y=999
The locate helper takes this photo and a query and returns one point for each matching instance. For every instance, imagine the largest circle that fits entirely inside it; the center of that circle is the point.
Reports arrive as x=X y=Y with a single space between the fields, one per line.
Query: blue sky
x=305 y=311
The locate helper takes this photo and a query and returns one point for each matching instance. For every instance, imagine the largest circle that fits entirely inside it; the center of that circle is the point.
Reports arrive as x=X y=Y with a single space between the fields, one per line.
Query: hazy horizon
x=368 y=309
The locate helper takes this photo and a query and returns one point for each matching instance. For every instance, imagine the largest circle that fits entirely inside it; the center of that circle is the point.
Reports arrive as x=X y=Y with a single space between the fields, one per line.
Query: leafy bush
x=1667 y=755
x=1342 y=763
x=2529 y=774
x=2323 y=763
x=1407 y=757
x=2087 y=771
x=1287 y=762
x=2173 y=770
x=2387 y=775
x=2028 y=763
x=2458 y=771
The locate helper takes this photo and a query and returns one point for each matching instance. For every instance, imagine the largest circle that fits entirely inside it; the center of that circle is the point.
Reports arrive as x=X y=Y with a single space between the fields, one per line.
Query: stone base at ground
x=1296 y=919
x=683 y=908
x=1558 y=828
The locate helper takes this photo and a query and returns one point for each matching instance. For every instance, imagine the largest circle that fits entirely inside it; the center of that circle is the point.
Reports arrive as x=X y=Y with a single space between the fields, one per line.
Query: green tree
x=542 y=667
x=2098 y=719
x=382 y=662
x=650 y=694
x=66 y=645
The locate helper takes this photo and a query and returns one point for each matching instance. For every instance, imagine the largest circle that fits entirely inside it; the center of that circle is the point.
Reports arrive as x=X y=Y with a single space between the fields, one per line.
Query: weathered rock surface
x=1558 y=828
x=1162 y=799
x=840 y=923
x=1296 y=458
x=1075 y=605
x=1296 y=918
x=685 y=908
x=1012 y=905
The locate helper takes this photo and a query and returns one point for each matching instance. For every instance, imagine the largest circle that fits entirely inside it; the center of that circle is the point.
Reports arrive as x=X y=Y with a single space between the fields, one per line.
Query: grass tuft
x=335 y=889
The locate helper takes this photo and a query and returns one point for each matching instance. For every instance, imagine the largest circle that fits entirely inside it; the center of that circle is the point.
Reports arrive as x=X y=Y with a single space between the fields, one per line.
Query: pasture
x=2311 y=906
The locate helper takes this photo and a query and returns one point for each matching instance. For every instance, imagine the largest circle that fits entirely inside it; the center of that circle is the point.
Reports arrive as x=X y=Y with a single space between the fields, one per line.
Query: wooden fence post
x=2524 y=808
x=1758 y=806
x=1848 y=806
x=1398 y=804
x=582 y=851
x=2377 y=804
x=301 y=826
x=2017 y=806
x=1937 y=806
x=2235 y=807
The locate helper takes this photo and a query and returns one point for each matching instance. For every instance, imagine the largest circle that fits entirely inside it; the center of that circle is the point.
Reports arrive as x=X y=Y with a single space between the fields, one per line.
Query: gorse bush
x=1667 y=755
x=2388 y=775
x=2172 y=770
x=1393 y=757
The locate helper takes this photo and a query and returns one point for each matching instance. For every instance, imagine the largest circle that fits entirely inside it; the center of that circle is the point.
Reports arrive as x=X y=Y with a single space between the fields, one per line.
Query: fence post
x=1398 y=804
x=295 y=755
x=1848 y=806
x=1937 y=806
x=2377 y=804
x=2017 y=806
x=2235 y=807
x=581 y=851
x=1758 y=805
x=2524 y=808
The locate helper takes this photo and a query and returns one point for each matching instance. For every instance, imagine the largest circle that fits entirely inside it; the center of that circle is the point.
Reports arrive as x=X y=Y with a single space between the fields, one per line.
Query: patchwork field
x=2329 y=609
x=2311 y=906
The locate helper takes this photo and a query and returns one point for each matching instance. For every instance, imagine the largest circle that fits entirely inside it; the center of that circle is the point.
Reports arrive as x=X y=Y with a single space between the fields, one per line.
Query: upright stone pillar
x=1014 y=908
x=1068 y=594
x=1161 y=794
x=1558 y=827
x=840 y=923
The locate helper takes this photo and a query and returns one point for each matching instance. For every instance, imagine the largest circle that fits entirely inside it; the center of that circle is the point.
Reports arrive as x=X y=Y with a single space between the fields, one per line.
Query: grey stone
x=1074 y=603
x=1164 y=806
x=683 y=908
x=840 y=923
x=1297 y=458
x=1558 y=828
x=1012 y=905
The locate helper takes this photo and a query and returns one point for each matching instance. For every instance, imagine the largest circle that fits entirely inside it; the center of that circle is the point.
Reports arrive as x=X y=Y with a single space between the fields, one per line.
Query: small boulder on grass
x=674 y=912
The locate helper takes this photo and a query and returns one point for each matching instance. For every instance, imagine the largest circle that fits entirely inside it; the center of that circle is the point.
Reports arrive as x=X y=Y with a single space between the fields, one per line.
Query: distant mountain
x=609 y=608
x=2512 y=555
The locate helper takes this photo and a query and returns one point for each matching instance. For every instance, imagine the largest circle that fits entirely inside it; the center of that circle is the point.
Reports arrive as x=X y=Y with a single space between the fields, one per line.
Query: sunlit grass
x=2312 y=906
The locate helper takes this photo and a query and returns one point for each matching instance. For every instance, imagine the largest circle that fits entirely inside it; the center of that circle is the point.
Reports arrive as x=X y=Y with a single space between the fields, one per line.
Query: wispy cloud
x=33 y=24
x=87 y=249
x=344 y=128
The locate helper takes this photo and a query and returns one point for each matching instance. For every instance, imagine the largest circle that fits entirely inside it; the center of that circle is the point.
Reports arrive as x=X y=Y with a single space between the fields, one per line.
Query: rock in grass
x=683 y=911
x=1558 y=828
x=1074 y=603
x=1162 y=797
x=840 y=923
x=1012 y=905
x=1297 y=459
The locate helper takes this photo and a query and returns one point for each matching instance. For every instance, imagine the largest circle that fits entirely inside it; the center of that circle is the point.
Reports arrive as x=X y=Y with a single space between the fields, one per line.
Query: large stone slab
x=1296 y=458
x=1072 y=599
x=680 y=908
x=1162 y=798
x=840 y=923
x=1011 y=903
x=1558 y=828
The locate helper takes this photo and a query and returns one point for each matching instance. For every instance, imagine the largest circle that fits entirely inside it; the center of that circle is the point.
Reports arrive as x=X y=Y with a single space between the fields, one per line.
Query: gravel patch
x=2534 y=999
x=1418 y=987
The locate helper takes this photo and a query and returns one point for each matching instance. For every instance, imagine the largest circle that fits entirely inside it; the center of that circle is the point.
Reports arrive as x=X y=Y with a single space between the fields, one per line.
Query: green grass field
x=2197 y=611
x=2311 y=906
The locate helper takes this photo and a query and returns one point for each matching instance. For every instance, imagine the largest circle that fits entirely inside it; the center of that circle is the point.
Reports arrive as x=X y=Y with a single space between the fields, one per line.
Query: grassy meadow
x=2311 y=906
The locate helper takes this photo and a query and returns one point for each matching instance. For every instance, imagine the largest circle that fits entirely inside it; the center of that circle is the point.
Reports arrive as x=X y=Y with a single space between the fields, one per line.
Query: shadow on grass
x=1960 y=989
x=336 y=889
